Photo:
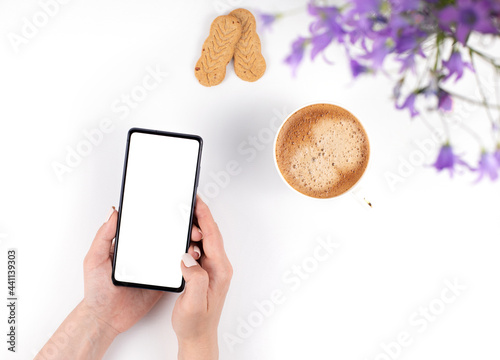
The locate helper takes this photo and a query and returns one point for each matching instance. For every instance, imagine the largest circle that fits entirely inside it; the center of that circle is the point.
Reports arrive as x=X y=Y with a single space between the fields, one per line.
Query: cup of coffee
x=321 y=151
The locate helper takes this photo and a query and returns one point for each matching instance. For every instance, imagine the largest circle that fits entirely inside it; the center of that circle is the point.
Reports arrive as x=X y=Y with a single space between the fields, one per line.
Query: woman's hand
x=197 y=311
x=108 y=310
x=104 y=312
x=119 y=307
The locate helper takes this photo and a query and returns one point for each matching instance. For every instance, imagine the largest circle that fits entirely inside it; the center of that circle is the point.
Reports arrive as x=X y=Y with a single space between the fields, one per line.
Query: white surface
x=154 y=227
x=392 y=260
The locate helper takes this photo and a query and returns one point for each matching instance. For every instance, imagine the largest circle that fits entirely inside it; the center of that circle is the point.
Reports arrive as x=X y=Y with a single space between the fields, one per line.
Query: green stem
x=433 y=129
x=420 y=77
x=480 y=87
x=469 y=131
x=496 y=134
x=472 y=101
x=488 y=58
x=438 y=43
x=445 y=125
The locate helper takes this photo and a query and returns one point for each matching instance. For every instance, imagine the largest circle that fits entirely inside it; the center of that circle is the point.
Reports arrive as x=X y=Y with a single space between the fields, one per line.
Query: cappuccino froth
x=322 y=150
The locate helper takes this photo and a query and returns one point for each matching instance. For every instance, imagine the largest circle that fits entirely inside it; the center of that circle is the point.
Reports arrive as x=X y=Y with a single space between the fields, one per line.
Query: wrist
x=81 y=336
x=95 y=324
x=203 y=349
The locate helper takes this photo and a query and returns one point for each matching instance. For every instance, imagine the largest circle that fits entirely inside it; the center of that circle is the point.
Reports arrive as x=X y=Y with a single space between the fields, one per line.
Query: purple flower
x=407 y=63
x=406 y=29
x=267 y=20
x=488 y=165
x=380 y=50
x=408 y=38
x=320 y=42
x=294 y=59
x=497 y=154
x=409 y=104
x=360 y=28
x=398 y=22
x=448 y=160
x=455 y=66
x=326 y=28
x=404 y=5
x=445 y=102
x=357 y=68
x=367 y=6
x=327 y=18
x=468 y=16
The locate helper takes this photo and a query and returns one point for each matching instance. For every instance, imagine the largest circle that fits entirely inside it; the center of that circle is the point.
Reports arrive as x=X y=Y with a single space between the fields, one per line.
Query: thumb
x=196 y=283
x=99 y=250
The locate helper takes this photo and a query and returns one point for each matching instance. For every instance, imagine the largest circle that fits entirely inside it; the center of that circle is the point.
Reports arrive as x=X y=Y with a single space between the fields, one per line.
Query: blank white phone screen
x=154 y=227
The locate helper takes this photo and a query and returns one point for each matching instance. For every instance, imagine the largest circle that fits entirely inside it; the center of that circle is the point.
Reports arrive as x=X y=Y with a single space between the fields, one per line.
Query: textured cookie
x=218 y=49
x=249 y=64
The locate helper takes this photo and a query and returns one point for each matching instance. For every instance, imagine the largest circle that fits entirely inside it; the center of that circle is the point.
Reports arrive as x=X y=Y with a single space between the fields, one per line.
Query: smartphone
x=158 y=195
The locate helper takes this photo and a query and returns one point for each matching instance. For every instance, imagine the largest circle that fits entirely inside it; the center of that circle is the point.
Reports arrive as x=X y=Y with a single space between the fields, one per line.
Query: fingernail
x=110 y=213
x=197 y=251
x=188 y=260
x=200 y=231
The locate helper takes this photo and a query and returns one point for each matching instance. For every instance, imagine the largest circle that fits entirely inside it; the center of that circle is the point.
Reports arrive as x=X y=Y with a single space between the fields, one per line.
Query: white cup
x=356 y=190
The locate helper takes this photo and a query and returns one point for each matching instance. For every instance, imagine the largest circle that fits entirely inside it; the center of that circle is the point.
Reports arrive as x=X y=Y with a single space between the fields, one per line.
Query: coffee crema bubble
x=322 y=150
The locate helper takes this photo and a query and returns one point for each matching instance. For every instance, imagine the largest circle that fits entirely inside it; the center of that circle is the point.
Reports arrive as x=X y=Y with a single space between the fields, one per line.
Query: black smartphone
x=158 y=195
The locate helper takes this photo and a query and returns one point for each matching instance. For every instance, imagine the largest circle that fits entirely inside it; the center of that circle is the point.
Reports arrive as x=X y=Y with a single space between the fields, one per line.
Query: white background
x=393 y=259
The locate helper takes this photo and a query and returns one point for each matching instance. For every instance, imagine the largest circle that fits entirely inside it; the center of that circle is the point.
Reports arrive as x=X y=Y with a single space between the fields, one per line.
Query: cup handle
x=359 y=194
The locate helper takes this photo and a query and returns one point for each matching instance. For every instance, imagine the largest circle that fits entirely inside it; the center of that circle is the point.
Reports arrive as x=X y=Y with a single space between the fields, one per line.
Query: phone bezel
x=191 y=215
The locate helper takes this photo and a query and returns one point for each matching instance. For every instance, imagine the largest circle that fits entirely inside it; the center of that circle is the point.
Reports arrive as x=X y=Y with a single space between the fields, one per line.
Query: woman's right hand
x=197 y=311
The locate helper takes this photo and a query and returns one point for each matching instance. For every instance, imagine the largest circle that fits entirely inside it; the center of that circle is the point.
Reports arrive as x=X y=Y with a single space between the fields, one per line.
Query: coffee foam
x=322 y=150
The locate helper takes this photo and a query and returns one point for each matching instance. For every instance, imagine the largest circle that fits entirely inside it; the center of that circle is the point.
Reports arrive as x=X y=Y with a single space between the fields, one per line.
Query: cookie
x=249 y=64
x=218 y=49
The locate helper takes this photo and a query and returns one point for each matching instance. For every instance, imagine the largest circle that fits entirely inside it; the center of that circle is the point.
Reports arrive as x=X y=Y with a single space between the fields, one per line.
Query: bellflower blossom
x=366 y=6
x=447 y=159
x=298 y=48
x=497 y=155
x=407 y=63
x=357 y=68
x=445 y=102
x=266 y=20
x=409 y=104
x=380 y=49
x=488 y=166
x=455 y=66
x=466 y=16
x=326 y=27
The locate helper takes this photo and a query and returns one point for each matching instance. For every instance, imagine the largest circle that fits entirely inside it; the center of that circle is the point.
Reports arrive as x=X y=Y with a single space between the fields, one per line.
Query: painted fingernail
x=188 y=260
x=197 y=251
x=110 y=213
